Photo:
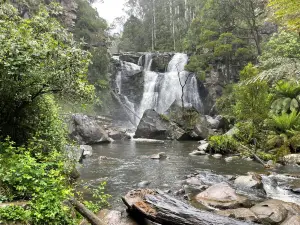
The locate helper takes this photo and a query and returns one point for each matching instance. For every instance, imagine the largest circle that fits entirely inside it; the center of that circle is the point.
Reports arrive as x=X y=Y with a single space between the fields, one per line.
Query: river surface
x=128 y=163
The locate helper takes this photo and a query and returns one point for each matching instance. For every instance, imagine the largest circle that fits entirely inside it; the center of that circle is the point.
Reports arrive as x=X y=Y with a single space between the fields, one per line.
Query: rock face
x=292 y=159
x=86 y=130
x=160 y=62
x=221 y=196
x=200 y=130
x=154 y=126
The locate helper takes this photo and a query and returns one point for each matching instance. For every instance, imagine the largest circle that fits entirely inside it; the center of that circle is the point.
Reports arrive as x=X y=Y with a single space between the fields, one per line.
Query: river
x=128 y=162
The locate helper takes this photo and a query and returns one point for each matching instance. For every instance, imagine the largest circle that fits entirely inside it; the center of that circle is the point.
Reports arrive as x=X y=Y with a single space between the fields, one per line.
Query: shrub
x=223 y=144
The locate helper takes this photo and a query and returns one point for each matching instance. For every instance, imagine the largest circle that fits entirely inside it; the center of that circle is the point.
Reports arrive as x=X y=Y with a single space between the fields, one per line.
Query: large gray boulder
x=86 y=130
x=155 y=126
x=222 y=196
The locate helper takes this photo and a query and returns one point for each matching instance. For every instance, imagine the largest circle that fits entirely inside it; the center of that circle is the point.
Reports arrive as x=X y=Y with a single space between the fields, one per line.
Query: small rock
x=161 y=155
x=143 y=184
x=87 y=150
x=202 y=142
x=292 y=159
x=203 y=147
x=270 y=163
x=248 y=159
x=167 y=191
x=196 y=152
x=217 y=156
x=231 y=158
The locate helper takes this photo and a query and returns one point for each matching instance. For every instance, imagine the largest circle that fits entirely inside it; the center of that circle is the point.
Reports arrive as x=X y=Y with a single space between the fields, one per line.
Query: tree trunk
x=164 y=209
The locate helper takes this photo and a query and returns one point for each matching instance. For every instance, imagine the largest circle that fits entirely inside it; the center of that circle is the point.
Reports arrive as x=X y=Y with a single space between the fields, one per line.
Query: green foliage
x=100 y=198
x=252 y=99
x=14 y=214
x=284 y=122
x=38 y=57
x=44 y=184
x=287 y=13
x=223 y=144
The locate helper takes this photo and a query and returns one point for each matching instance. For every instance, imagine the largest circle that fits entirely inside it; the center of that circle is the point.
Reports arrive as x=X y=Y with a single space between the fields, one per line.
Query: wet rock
x=180 y=192
x=240 y=213
x=167 y=191
x=217 y=156
x=270 y=212
x=194 y=188
x=143 y=184
x=196 y=152
x=296 y=190
x=194 y=181
x=160 y=62
x=161 y=155
x=231 y=158
x=293 y=220
x=86 y=130
x=250 y=181
x=113 y=217
x=222 y=196
x=200 y=130
x=87 y=150
x=154 y=126
x=130 y=57
x=248 y=159
x=202 y=142
x=203 y=147
x=292 y=159
x=101 y=158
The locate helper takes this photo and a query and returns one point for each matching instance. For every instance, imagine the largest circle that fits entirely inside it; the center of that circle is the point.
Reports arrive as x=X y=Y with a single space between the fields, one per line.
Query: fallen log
x=86 y=213
x=161 y=208
x=255 y=156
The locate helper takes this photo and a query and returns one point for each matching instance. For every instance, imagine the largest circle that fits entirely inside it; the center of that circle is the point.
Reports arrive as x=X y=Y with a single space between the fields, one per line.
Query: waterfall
x=161 y=90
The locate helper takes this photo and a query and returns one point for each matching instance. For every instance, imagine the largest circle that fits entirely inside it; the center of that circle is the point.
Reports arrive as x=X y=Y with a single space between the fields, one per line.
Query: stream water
x=123 y=164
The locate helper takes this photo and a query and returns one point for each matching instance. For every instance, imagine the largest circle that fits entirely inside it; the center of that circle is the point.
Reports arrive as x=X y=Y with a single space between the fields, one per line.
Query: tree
x=38 y=57
x=287 y=13
x=252 y=100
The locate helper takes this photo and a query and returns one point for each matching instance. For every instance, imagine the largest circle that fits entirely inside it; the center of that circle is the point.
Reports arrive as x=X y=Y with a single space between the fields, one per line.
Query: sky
x=110 y=9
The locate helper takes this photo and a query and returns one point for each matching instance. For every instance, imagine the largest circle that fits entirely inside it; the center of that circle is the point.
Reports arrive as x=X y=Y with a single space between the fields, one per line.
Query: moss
x=164 y=117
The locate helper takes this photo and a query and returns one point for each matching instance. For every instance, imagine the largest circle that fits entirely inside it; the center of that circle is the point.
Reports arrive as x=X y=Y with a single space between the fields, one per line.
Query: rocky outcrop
x=154 y=126
x=160 y=62
x=86 y=130
x=222 y=196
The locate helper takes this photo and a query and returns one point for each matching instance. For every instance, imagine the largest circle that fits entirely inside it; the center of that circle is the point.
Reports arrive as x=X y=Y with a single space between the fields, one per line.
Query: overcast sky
x=110 y=9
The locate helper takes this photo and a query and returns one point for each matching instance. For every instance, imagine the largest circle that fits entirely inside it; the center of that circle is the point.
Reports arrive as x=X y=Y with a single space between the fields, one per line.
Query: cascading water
x=161 y=90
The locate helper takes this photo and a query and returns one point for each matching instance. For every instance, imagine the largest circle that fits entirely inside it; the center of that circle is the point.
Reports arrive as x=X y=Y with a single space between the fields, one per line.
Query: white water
x=119 y=81
x=161 y=90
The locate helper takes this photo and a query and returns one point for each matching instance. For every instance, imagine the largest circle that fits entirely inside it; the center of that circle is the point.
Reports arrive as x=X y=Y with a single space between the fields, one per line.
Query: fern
x=287 y=89
x=285 y=122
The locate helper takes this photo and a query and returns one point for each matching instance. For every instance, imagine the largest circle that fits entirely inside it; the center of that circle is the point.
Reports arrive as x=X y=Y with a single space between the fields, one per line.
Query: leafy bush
x=223 y=144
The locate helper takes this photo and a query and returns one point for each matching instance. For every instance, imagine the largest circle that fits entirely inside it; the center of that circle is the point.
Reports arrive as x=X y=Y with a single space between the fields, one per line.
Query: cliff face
x=28 y=6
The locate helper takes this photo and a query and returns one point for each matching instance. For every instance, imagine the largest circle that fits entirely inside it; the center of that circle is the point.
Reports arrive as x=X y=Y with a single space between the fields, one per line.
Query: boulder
x=250 y=181
x=218 y=122
x=222 y=196
x=293 y=220
x=240 y=213
x=154 y=126
x=86 y=130
x=270 y=212
x=161 y=155
x=200 y=130
x=292 y=159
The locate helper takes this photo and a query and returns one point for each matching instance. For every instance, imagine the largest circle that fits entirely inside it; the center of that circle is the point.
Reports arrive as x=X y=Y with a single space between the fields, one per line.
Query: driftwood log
x=161 y=208
x=86 y=213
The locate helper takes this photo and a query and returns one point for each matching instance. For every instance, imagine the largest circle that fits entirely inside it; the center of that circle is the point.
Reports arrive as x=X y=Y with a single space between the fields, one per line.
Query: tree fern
x=285 y=122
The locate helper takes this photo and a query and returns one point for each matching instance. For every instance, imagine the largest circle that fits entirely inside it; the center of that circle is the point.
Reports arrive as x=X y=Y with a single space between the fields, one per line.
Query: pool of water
x=123 y=164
